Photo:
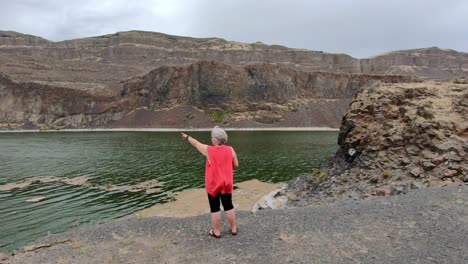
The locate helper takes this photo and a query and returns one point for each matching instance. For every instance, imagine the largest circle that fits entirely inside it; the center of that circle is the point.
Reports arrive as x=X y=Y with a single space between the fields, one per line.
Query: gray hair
x=219 y=134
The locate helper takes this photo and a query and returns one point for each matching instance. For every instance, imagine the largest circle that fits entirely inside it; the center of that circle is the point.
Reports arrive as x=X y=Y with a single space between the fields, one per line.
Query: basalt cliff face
x=395 y=138
x=195 y=95
x=146 y=79
x=252 y=95
x=33 y=105
x=431 y=62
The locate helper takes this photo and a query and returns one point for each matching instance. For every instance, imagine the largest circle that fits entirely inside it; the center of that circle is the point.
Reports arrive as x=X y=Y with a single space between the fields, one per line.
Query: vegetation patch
x=374 y=179
x=190 y=116
x=317 y=176
x=218 y=116
x=386 y=173
x=139 y=216
x=84 y=250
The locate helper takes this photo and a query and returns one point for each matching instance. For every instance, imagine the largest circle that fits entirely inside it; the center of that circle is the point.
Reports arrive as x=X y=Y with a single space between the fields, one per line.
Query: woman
x=219 y=176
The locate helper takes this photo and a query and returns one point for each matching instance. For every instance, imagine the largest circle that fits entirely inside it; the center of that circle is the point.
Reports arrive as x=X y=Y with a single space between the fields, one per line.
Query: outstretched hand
x=202 y=148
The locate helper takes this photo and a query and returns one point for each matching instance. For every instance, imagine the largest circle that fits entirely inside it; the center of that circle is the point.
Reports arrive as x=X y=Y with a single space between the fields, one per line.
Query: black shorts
x=214 y=201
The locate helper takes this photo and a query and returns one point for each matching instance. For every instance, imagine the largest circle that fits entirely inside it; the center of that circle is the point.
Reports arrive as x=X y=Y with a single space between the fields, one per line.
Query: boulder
x=413 y=150
x=449 y=173
x=417 y=172
x=428 y=165
x=384 y=191
x=438 y=160
x=446 y=183
x=452 y=156
x=292 y=197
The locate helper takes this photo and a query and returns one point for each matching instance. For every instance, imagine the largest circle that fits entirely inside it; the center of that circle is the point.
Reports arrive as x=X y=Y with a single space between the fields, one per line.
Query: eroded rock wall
x=431 y=62
x=255 y=95
x=153 y=76
x=32 y=105
x=212 y=82
x=262 y=93
x=395 y=138
x=109 y=59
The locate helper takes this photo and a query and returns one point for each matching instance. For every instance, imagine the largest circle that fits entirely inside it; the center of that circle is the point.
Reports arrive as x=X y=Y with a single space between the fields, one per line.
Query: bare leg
x=216 y=218
x=231 y=216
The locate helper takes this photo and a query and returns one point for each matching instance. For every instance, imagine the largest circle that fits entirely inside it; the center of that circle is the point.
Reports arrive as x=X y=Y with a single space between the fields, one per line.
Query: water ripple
x=127 y=158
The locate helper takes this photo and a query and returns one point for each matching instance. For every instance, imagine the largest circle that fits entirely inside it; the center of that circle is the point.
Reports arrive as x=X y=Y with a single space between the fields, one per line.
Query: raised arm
x=202 y=148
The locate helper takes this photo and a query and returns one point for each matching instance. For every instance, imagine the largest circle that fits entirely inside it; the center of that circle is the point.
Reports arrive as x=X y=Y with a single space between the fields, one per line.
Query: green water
x=125 y=158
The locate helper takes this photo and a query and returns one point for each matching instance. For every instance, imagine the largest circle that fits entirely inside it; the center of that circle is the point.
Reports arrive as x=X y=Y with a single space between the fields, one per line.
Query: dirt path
x=424 y=226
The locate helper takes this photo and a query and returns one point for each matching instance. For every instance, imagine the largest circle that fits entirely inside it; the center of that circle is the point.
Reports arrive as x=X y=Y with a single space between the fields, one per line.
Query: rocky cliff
x=431 y=62
x=195 y=95
x=395 y=138
x=147 y=79
x=108 y=59
x=33 y=105
x=111 y=58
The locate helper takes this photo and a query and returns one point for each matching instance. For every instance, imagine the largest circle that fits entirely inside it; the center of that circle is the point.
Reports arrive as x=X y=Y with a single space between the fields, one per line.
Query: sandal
x=234 y=233
x=212 y=233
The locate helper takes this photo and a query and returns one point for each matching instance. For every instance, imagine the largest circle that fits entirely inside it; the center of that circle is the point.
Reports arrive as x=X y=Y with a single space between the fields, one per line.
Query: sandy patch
x=195 y=202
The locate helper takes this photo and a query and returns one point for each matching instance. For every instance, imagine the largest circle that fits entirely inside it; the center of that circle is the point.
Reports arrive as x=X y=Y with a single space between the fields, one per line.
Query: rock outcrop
x=395 y=138
x=262 y=93
x=99 y=59
x=107 y=60
x=33 y=105
x=431 y=62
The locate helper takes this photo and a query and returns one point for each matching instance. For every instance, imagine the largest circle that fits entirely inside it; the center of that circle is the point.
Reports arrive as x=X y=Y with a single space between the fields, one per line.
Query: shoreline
x=193 y=202
x=169 y=129
x=380 y=230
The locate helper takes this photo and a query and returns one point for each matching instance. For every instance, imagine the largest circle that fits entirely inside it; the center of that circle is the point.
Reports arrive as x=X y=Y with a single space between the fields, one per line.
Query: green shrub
x=374 y=179
x=84 y=250
x=317 y=176
x=189 y=116
x=316 y=171
x=217 y=116
x=386 y=173
x=322 y=176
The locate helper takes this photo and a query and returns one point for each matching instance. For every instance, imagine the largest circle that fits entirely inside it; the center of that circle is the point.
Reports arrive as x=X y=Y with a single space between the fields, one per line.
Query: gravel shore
x=424 y=226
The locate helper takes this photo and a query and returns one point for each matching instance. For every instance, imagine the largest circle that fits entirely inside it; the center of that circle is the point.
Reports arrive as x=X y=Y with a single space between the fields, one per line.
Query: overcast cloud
x=360 y=28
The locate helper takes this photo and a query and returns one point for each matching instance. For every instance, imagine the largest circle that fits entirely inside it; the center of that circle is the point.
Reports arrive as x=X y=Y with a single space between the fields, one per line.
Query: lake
x=129 y=158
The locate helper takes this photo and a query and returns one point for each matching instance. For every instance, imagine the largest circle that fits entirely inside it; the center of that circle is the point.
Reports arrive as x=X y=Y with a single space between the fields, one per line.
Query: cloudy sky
x=360 y=28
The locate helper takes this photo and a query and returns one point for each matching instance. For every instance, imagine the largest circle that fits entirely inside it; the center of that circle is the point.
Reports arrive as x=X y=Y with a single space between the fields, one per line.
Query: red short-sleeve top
x=219 y=176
